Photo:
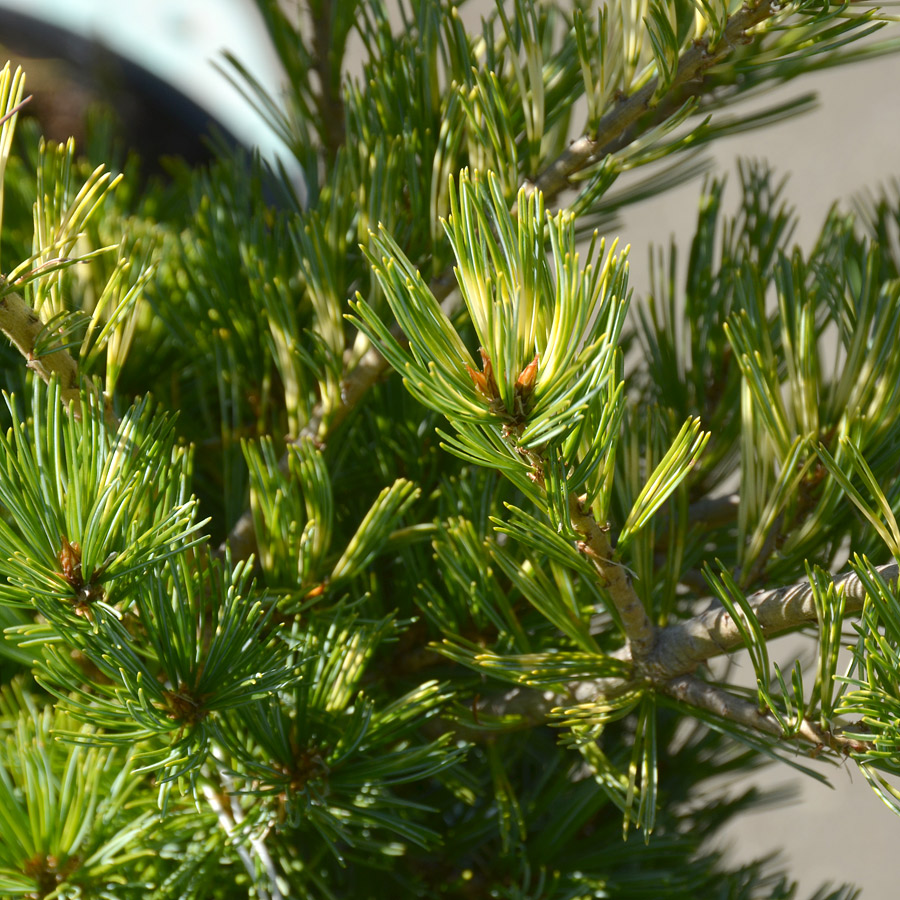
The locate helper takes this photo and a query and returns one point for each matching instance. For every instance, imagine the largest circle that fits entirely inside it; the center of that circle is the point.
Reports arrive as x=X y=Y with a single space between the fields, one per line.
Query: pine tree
x=358 y=542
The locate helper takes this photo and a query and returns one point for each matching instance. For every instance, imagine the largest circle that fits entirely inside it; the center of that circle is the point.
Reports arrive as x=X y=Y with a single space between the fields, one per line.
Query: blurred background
x=155 y=63
x=158 y=64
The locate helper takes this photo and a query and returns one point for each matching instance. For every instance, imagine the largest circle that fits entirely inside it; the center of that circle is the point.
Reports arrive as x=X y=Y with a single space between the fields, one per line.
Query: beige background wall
x=850 y=142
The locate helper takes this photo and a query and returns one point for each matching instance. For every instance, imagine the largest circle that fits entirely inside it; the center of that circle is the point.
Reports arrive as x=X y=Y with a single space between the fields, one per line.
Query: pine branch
x=596 y=546
x=681 y=647
x=283 y=710
x=365 y=374
x=232 y=819
x=698 y=59
x=22 y=326
x=704 y=696
x=583 y=152
x=230 y=826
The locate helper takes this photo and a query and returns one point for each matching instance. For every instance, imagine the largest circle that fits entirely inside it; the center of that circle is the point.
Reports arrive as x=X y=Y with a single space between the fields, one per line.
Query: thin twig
x=231 y=820
x=22 y=326
x=723 y=705
x=591 y=148
x=227 y=824
x=17 y=108
x=597 y=548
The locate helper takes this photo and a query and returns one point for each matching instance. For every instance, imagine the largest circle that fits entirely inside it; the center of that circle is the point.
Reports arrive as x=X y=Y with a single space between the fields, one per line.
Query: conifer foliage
x=356 y=529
